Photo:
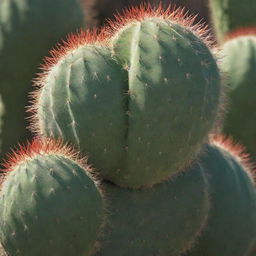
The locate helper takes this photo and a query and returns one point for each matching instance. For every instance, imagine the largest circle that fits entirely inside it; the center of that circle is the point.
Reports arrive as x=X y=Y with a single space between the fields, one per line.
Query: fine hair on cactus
x=138 y=120
x=50 y=203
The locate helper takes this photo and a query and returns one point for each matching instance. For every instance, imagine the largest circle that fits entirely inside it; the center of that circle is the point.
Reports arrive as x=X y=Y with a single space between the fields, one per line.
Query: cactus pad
x=231 y=229
x=239 y=62
x=163 y=220
x=49 y=203
x=139 y=121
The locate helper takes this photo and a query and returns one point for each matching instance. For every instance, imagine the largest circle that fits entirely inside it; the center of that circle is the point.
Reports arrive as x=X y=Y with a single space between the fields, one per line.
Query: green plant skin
x=139 y=127
x=231 y=228
x=2 y=110
x=163 y=220
x=83 y=101
x=49 y=206
x=28 y=30
x=239 y=63
x=228 y=15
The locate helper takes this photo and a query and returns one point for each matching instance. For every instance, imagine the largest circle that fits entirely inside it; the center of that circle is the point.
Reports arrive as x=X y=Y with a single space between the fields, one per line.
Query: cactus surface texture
x=49 y=204
x=28 y=29
x=239 y=64
x=231 y=229
x=139 y=116
x=228 y=15
x=163 y=220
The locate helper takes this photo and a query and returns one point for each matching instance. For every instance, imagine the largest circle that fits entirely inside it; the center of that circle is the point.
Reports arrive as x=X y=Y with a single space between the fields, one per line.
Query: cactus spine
x=49 y=203
x=128 y=98
x=28 y=29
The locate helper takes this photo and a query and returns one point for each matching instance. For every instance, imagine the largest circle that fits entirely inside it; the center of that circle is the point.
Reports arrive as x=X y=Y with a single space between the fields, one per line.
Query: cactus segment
x=239 y=63
x=28 y=29
x=228 y=15
x=83 y=100
x=174 y=89
x=163 y=220
x=231 y=229
x=114 y=114
x=49 y=204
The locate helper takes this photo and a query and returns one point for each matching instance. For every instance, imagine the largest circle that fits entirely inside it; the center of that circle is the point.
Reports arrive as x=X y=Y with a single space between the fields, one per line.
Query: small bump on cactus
x=163 y=220
x=138 y=125
x=49 y=202
x=239 y=64
x=231 y=229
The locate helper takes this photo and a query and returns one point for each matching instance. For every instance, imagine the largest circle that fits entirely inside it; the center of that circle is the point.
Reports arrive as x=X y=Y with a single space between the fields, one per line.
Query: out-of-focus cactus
x=28 y=29
x=49 y=203
x=231 y=228
x=239 y=64
x=228 y=15
x=139 y=116
x=1 y=121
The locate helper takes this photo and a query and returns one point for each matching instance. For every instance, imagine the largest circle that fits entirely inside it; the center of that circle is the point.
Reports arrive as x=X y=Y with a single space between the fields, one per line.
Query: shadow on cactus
x=140 y=115
x=231 y=227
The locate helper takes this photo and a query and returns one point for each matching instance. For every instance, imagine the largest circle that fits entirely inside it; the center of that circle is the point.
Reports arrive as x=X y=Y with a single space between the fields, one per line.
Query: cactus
x=1 y=121
x=28 y=29
x=231 y=228
x=163 y=220
x=239 y=62
x=230 y=15
x=49 y=203
x=139 y=122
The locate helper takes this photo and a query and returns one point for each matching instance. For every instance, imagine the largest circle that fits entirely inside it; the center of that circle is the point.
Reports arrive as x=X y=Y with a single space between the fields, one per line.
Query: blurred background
x=97 y=11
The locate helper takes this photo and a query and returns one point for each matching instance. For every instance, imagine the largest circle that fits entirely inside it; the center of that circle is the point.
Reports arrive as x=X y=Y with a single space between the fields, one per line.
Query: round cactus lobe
x=239 y=63
x=174 y=88
x=83 y=100
x=162 y=220
x=114 y=112
x=231 y=228
x=49 y=203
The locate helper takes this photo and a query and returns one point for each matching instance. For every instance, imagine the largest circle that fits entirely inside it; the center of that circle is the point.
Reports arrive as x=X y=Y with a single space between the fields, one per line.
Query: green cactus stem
x=49 y=203
x=231 y=229
x=163 y=220
x=141 y=117
x=239 y=64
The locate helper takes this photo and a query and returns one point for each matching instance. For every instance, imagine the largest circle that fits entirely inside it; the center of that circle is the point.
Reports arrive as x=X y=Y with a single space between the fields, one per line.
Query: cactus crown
x=41 y=146
x=238 y=151
x=147 y=11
